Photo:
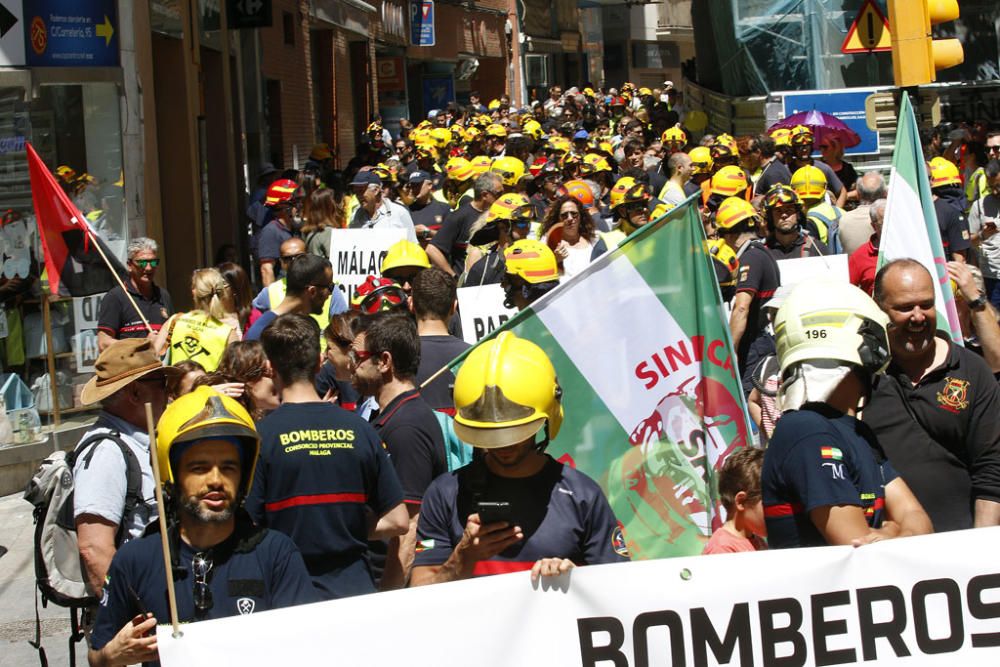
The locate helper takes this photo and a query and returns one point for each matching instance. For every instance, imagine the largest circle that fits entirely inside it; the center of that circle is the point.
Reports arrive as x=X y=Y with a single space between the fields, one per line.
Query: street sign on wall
x=11 y=33
x=71 y=33
x=422 y=22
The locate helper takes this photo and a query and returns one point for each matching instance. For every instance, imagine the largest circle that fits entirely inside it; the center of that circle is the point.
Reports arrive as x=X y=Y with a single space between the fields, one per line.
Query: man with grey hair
x=863 y=262
x=118 y=317
x=855 y=226
x=448 y=249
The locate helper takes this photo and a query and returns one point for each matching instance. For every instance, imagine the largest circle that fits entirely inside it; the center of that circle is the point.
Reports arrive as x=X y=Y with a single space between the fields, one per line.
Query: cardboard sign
x=85 y=312
x=482 y=310
x=795 y=271
x=358 y=253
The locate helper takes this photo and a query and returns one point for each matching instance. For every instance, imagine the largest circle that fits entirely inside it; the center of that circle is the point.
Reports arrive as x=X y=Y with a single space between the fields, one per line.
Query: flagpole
x=161 y=510
x=36 y=164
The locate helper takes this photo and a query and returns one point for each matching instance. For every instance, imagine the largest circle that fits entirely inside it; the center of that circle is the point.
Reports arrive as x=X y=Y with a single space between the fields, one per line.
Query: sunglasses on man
x=146 y=263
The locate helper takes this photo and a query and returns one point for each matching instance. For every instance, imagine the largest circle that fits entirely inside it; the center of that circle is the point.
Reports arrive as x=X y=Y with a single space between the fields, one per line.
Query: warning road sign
x=869 y=32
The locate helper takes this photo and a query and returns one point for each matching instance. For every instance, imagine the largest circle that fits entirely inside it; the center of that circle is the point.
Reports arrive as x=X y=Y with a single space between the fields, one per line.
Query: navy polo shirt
x=322 y=472
x=253 y=571
x=562 y=512
x=818 y=457
x=412 y=436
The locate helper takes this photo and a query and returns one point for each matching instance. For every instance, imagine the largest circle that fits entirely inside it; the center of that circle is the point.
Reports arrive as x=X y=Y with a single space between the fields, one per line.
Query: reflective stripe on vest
x=198 y=336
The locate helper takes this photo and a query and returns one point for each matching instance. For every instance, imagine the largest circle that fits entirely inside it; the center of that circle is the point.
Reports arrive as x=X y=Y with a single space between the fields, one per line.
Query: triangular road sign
x=869 y=32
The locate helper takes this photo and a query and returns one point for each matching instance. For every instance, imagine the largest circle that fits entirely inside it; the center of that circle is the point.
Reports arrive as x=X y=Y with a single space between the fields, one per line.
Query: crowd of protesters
x=322 y=432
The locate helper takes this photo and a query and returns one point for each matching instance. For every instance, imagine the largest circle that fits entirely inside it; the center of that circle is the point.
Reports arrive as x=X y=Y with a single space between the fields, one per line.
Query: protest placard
x=907 y=601
x=85 y=312
x=482 y=311
x=358 y=253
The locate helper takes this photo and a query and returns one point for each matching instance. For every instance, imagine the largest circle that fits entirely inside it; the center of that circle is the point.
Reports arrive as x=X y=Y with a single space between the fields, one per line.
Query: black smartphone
x=494 y=512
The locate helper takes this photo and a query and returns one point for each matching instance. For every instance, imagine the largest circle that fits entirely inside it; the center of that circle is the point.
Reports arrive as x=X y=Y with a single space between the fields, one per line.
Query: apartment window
x=288 y=24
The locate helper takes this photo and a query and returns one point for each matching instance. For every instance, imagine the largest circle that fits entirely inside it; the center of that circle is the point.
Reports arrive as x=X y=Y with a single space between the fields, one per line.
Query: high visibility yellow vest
x=199 y=337
x=351 y=205
x=824 y=215
x=976 y=187
x=276 y=294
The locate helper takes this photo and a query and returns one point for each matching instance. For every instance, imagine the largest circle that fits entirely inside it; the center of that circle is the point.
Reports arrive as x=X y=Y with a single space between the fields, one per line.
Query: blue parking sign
x=847 y=105
x=422 y=22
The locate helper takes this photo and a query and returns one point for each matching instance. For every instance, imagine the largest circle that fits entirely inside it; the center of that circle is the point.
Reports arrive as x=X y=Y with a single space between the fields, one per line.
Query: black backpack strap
x=133 y=472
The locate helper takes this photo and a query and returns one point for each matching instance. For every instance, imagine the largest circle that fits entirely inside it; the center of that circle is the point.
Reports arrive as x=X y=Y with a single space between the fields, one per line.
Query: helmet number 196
x=816 y=333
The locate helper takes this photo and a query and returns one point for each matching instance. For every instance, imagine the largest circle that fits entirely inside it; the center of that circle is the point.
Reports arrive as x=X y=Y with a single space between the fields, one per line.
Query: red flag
x=72 y=261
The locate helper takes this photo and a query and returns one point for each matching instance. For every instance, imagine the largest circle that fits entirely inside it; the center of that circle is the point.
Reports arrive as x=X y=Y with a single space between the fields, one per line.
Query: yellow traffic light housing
x=916 y=55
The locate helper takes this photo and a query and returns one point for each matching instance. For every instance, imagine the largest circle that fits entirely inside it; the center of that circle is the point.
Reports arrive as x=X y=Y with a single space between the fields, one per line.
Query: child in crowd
x=739 y=489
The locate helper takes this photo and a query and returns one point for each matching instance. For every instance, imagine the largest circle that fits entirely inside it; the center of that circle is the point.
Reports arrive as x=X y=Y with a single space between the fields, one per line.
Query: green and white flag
x=910 y=228
x=651 y=394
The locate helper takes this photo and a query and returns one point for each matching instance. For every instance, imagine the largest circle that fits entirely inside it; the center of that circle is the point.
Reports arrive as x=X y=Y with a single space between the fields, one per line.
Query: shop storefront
x=64 y=97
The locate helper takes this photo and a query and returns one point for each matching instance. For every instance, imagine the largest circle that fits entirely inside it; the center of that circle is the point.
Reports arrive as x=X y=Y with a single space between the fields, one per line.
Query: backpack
x=59 y=574
x=457 y=453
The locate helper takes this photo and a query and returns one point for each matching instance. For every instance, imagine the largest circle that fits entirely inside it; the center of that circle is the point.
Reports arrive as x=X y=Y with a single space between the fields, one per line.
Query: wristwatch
x=978 y=303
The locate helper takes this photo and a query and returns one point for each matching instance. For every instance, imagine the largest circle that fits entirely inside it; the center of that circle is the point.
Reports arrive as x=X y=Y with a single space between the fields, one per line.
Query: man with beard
x=223 y=565
x=785 y=221
x=309 y=286
x=937 y=409
x=385 y=356
x=324 y=478
x=427 y=213
x=514 y=508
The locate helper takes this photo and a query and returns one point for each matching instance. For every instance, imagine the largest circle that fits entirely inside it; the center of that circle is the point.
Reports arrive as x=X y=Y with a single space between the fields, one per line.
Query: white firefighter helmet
x=844 y=325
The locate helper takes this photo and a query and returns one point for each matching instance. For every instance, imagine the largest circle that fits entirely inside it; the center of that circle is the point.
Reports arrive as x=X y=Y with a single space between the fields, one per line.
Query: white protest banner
x=932 y=600
x=358 y=253
x=800 y=269
x=481 y=309
x=85 y=312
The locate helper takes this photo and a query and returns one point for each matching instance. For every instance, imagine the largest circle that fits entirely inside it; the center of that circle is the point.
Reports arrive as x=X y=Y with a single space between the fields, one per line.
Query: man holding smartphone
x=514 y=508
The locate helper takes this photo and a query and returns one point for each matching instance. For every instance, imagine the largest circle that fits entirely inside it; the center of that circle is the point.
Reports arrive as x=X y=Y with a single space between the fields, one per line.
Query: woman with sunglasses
x=569 y=230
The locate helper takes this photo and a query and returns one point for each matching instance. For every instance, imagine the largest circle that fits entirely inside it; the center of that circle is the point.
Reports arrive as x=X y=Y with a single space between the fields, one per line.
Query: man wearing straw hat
x=128 y=375
x=220 y=563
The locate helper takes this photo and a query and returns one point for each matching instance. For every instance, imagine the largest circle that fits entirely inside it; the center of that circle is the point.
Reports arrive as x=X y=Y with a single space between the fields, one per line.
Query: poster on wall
x=85 y=312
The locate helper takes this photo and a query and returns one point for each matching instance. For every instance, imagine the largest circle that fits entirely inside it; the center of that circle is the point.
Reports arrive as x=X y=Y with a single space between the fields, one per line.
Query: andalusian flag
x=653 y=404
x=910 y=228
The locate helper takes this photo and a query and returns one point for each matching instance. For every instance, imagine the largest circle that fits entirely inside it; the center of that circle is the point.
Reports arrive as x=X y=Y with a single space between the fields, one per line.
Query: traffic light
x=916 y=55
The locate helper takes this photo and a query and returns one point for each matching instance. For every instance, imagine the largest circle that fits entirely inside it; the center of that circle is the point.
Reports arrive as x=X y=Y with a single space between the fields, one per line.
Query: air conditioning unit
x=466 y=69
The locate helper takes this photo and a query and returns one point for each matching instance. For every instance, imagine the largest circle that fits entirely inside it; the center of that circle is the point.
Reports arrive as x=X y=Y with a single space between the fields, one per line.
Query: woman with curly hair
x=569 y=230
x=245 y=374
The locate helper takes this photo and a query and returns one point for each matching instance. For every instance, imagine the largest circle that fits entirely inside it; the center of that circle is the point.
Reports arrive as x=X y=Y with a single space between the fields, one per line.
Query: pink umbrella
x=823 y=126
